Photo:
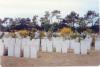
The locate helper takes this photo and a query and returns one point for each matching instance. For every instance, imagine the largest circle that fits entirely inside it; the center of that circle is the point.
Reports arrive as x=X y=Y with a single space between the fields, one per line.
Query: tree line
x=47 y=23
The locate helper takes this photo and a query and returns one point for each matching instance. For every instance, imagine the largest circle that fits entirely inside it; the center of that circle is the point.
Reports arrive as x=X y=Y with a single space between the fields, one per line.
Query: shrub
x=65 y=31
x=23 y=33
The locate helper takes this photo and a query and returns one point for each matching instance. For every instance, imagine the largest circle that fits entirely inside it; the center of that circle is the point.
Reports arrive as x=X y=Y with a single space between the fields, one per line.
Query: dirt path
x=53 y=59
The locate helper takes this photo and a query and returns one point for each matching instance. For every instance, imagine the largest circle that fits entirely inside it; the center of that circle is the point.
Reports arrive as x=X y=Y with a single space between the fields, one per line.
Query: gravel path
x=53 y=59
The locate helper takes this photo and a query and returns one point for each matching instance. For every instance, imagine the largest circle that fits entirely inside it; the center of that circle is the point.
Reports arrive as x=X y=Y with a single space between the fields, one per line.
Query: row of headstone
x=61 y=45
x=30 y=48
x=17 y=46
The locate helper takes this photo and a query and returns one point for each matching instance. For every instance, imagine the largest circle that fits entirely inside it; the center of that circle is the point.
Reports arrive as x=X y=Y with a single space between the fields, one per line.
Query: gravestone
x=49 y=45
x=11 y=46
x=25 y=47
x=6 y=42
x=88 y=42
x=36 y=43
x=76 y=46
x=33 y=50
x=54 y=42
x=65 y=46
x=1 y=48
x=97 y=44
x=17 y=49
x=57 y=44
x=71 y=44
x=44 y=45
x=84 y=46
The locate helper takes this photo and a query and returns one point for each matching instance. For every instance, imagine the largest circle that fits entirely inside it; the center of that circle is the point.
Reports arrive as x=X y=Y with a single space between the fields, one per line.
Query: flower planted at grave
x=65 y=32
x=31 y=34
x=42 y=34
x=73 y=35
x=23 y=33
x=12 y=34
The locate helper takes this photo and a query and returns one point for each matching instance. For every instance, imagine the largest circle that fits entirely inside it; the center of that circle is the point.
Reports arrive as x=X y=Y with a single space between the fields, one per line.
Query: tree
x=55 y=13
x=82 y=25
x=47 y=14
x=45 y=21
x=44 y=24
x=59 y=18
x=0 y=24
x=90 y=15
x=47 y=17
x=72 y=18
x=34 y=20
x=54 y=27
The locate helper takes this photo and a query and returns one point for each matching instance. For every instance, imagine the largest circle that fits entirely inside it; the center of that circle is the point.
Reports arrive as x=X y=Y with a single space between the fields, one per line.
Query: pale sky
x=28 y=8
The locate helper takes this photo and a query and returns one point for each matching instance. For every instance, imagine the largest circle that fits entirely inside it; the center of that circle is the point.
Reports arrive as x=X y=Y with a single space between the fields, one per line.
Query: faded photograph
x=49 y=33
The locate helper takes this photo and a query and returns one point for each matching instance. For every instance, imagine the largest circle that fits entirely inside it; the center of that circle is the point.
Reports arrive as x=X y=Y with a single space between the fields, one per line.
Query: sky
x=28 y=8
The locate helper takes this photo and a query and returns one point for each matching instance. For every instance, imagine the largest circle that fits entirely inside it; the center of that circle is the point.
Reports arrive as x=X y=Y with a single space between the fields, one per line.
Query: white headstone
x=36 y=43
x=54 y=42
x=6 y=42
x=17 y=49
x=71 y=44
x=26 y=47
x=57 y=44
x=44 y=45
x=33 y=50
x=49 y=45
x=11 y=46
x=76 y=47
x=65 y=45
x=88 y=41
x=83 y=47
x=1 y=47
x=97 y=44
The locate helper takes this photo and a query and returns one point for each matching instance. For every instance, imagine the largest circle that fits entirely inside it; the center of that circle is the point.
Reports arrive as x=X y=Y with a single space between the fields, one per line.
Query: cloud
x=29 y=7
